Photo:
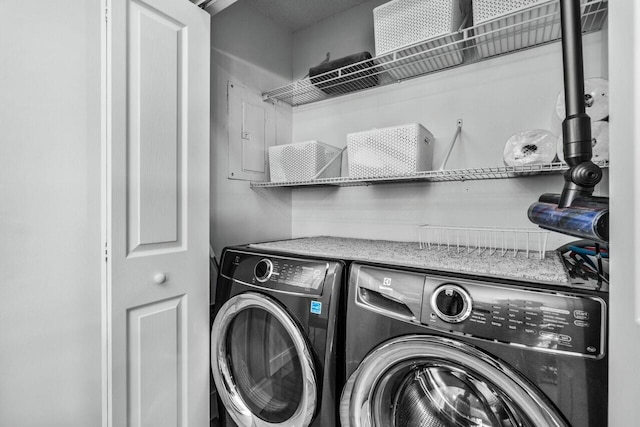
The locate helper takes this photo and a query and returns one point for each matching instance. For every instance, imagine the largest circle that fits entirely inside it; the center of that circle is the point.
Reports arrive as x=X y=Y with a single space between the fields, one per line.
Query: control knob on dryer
x=451 y=303
x=263 y=270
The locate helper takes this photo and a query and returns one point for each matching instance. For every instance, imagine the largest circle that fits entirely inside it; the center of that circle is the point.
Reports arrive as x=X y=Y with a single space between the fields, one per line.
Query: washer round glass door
x=261 y=363
x=437 y=382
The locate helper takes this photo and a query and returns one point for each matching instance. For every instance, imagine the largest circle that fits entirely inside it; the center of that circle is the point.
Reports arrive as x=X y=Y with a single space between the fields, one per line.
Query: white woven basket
x=517 y=11
x=540 y=17
x=392 y=151
x=411 y=27
x=302 y=161
x=483 y=10
x=401 y=23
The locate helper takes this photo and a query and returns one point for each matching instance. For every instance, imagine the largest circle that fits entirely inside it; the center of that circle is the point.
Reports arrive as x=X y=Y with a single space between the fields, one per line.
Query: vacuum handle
x=572 y=57
x=583 y=175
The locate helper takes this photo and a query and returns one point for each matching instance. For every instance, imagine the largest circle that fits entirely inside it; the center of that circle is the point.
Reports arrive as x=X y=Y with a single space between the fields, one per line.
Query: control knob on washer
x=263 y=270
x=451 y=303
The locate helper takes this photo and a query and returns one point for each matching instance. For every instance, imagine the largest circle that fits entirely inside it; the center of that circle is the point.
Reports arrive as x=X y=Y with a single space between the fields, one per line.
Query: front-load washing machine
x=439 y=350
x=274 y=339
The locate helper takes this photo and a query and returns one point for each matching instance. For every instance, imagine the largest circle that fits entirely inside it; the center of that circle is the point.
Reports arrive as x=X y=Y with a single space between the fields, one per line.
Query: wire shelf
x=522 y=29
x=470 y=174
x=489 y=241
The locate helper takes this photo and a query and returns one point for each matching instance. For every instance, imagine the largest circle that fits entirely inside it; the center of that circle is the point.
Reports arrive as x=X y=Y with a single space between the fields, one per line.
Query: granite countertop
x=547 y=270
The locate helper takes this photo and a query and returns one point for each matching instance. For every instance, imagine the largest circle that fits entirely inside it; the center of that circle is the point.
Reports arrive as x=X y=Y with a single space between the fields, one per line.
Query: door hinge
x=106 y=14
x=106 y=252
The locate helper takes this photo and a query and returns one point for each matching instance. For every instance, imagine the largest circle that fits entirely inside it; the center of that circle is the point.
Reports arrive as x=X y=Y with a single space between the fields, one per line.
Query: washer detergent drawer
x=549 y=321
x=392 y=293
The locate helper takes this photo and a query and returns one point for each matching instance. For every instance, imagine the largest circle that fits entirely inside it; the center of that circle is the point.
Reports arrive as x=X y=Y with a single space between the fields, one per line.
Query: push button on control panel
x=451 y=303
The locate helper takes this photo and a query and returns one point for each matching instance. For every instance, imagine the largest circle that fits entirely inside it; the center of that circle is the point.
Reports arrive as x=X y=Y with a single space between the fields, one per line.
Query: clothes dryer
x=425 y=348
x=275 y=338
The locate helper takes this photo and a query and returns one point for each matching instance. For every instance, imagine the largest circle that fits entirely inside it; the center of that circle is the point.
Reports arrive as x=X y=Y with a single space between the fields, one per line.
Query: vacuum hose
x=574 y=212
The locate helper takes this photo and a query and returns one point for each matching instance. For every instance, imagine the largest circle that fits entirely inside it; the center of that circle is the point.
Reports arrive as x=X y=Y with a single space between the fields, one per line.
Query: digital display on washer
x=301 y=275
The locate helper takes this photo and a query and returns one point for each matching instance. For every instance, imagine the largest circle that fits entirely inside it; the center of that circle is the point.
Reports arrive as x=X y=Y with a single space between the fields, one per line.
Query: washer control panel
x=533 y=318
x=285 y=274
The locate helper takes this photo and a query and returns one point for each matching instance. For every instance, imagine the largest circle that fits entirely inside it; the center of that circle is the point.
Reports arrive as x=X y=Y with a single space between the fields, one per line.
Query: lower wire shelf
x=469 y=174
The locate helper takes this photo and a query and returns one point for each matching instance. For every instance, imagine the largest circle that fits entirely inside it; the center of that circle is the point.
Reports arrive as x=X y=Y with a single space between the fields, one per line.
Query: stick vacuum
x=574 y=212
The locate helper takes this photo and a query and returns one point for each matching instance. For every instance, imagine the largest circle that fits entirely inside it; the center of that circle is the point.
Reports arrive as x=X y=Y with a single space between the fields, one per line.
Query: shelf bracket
x=334 y=159
x=453 y=142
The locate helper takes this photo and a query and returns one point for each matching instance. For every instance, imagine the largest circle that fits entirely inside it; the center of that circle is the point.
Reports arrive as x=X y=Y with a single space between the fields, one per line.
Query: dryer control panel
x=286 y=274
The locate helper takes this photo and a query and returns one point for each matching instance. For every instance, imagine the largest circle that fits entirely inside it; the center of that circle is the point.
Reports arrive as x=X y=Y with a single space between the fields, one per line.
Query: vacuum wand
x=574 y=212
x=583 y=174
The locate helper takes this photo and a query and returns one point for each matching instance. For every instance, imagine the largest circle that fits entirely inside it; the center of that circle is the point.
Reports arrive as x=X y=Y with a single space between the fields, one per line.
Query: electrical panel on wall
x=251 y=130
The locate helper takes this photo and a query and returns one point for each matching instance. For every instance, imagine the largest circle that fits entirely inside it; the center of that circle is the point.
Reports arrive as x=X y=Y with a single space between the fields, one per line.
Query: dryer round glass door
x=437 y=382
x=261 y=363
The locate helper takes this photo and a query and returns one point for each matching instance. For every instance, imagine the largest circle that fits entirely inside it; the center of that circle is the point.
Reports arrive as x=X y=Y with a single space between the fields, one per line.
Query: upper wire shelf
x=522 y=29
x=469 y=174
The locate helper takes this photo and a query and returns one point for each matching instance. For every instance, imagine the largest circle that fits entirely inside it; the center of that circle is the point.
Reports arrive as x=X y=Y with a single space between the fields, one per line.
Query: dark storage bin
x=359 y=69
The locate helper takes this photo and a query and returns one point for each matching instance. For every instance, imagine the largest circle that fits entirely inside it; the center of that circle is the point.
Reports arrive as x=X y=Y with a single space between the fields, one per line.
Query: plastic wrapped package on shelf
x=537 y=146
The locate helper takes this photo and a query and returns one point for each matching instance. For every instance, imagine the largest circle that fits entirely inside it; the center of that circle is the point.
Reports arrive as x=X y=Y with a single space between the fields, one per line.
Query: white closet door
x=624 y=296
x=157 y=213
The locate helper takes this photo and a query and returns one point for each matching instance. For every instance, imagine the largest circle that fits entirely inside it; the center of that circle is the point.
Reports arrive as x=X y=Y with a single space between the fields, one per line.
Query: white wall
x=252 y=50
x=495 y=99
x=50 y=251
x=624 y=338
x=344 y=34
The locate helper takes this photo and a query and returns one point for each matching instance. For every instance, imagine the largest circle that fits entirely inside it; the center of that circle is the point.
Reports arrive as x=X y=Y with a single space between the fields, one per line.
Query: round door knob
x=160 y=278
